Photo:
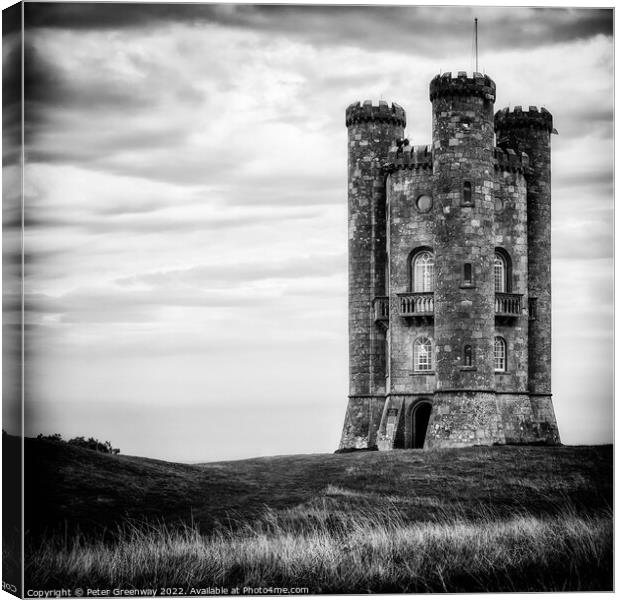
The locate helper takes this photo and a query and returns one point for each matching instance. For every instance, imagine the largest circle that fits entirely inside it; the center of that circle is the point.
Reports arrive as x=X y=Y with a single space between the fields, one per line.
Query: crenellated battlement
x=382 y=113
x=463 y=84
x=506 y=159
x=517 y=118
x=409 y=157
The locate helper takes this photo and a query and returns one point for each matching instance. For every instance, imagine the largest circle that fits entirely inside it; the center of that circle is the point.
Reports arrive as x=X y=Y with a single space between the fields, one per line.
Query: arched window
x=500 y=272
x=468 y=360
x=423 y=271
x=499 y=354
x=422 y=355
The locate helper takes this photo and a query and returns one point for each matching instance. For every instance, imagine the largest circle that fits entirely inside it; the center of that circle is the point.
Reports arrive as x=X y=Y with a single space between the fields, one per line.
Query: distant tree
x=90 y=443
x=54 y=437
x=93 y=444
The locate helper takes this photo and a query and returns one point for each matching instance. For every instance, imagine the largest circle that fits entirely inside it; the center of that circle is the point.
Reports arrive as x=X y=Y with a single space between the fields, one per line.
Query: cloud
x=93 y=80
x=147 y=221
x=378 y=26
x=128 y=306
x=11 y=96
x=231 y=286
x=123 y=117
x=240 y=273
x=582 y=238
x=255 y=288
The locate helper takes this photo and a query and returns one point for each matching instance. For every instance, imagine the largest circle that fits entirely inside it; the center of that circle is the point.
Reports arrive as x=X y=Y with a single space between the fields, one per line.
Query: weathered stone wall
x=514 y=379
x=464 y=407
x=391 y=429
x=361 y=421
x=461 y=419
x=517 y=418
x=529 y=132
x=544 y=417
x=526 y=420
x=510 y=234
x=409 y=229
x=463 y=142
x=371 y=132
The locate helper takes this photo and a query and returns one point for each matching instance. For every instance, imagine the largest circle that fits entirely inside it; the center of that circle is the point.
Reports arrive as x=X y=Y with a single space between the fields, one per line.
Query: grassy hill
x=518 y=518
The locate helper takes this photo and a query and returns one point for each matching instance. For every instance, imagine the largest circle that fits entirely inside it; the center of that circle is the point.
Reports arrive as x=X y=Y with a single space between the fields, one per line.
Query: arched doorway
x=419 y=422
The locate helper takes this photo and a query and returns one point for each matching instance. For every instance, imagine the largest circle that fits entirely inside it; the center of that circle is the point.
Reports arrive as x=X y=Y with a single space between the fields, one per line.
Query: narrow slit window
x=468 y=360
x=467 y=274
x=467 y=199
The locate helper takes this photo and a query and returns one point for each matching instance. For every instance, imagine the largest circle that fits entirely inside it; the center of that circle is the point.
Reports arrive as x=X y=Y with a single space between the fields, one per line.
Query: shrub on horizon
x=90 y=443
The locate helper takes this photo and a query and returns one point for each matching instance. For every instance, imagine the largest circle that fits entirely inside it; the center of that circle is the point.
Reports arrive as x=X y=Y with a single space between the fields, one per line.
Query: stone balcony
x=507 y=305
x=422 y=304
x=416 y=304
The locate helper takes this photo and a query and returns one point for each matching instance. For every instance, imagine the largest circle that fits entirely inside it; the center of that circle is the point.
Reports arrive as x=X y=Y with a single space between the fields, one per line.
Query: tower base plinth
x=362 y=422
x=460 y=419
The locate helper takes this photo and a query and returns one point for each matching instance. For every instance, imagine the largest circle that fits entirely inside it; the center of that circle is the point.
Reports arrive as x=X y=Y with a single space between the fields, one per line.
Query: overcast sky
x=186 y=209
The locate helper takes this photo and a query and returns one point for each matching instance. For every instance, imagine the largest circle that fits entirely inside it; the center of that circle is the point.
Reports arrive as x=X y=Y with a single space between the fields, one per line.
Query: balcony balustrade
x=507 y=305
x=416 y=304
x=421 y=304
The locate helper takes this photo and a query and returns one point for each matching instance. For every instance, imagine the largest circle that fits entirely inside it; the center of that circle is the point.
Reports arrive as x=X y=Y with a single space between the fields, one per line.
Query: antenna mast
x=476 y=39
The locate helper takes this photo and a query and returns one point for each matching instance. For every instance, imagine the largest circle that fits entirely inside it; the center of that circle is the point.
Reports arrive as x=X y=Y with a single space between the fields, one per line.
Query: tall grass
x=327 y=550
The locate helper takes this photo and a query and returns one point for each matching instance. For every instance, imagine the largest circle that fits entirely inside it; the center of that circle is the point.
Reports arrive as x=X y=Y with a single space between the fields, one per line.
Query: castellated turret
x=372 y=130
x=449 y=274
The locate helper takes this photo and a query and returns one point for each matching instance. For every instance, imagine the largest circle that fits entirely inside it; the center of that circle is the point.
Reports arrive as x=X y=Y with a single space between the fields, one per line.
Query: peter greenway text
x=165 y=591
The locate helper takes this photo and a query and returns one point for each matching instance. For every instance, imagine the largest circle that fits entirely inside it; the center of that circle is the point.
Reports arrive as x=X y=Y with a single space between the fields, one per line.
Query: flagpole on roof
x=476 y=39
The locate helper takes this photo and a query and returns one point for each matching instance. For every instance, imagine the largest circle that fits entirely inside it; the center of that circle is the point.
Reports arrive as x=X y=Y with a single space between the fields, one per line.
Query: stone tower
x=449 y=274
